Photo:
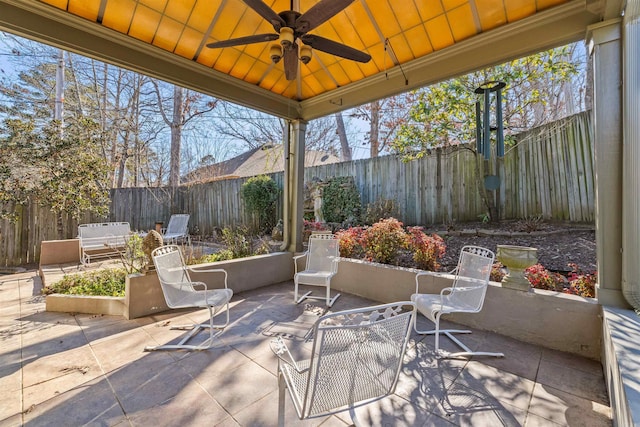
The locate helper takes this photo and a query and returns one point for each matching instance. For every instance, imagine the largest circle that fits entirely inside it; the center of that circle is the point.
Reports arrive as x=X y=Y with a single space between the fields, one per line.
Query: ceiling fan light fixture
x=305 y=54
x=275 y=52
x=286 y=37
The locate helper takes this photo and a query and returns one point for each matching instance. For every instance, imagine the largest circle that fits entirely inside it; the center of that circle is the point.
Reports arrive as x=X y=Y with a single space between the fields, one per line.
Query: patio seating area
x=62 y=369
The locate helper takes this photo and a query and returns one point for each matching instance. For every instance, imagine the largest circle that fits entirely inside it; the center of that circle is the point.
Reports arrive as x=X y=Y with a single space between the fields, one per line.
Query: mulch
x=558 y=244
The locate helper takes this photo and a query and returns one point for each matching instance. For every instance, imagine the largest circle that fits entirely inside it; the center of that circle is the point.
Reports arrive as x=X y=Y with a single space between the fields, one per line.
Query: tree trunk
x=176 y=135
x=342 y=135
x=374 y=130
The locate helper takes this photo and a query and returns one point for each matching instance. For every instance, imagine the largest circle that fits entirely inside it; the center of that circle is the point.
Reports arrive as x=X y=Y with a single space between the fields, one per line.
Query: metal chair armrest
x=447 y=291
x=280 y=349
x=209 y=270
x=296 y=258
x=300 y=256
x=418 y=281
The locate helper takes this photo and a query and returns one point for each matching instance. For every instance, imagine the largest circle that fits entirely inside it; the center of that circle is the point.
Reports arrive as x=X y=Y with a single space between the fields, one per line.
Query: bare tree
x=345 y=149
x=384 y=116
x=186 y=106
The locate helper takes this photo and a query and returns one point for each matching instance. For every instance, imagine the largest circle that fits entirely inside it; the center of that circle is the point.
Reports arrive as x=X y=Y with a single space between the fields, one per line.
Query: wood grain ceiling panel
x=169 y=31
x=401 y=48
x=338 y=73
x=118 y=15
x=519 y=9
x=492 y=14
x=87 y=9
x=180 y=10
x=462 y=22
x=226 y=60
x=384 y=17
x=439 y=32
x=242 y=66
x=189 y=43
x=429 y=9
x=227 y=22
x=366 y=29
x=452 y=4
x=158 y=5
x=144 y=23
x=256 y=72
x=406 y=14
x=203 y=13
x=414 y=28
x=420 y=44
x=208 y=57
x=271 y=80
x=60 y=4
x=545 y=4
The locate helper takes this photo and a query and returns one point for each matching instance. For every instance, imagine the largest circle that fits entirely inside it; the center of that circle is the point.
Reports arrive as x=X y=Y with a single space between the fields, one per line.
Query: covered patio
x=534 y=387
x=83 y=369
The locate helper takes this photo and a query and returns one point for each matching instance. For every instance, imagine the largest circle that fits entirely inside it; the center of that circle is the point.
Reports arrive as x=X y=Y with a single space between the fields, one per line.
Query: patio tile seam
x=104 y=373
x=20 y=322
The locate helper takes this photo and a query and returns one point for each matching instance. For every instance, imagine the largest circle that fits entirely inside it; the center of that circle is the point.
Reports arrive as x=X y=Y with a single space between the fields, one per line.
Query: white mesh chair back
x=178 y=225
x=323 y=250
x=472 y=275
x=357 y=357
x=173 y=274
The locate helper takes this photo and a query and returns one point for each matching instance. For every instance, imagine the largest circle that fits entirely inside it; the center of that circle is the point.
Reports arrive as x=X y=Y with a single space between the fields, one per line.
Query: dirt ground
x=558 y=244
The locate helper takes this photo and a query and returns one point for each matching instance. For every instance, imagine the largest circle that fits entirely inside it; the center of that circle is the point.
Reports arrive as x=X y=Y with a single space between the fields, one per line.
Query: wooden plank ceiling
x=392 y=32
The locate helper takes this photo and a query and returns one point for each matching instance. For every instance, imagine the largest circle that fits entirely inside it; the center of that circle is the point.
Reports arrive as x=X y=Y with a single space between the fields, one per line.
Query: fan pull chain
x=394 y=58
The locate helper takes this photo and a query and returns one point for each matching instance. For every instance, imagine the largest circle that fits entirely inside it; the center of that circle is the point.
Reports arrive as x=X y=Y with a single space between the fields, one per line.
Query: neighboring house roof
x=261 y=160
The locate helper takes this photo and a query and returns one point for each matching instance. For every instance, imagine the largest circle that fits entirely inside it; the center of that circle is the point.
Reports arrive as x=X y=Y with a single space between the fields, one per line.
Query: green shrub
x=341 y=200
x=383 y=241
x=108 y=282
x=132 y=256
x=380 y=209
x=223 y=255
x=427 y=250
x=240 y=243
x=260 y=194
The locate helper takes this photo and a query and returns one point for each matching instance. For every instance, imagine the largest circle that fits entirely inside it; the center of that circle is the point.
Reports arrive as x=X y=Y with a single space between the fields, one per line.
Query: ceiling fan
x=291 y=28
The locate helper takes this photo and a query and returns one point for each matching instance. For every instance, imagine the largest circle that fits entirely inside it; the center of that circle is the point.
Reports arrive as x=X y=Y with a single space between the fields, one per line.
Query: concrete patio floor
x=60 y=369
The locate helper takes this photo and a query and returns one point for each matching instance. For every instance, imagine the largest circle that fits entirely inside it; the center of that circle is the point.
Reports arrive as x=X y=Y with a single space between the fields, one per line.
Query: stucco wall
x=550 y=319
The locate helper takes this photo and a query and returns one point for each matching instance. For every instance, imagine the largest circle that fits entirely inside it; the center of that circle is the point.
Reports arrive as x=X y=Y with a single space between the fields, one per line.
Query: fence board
x=548 y=172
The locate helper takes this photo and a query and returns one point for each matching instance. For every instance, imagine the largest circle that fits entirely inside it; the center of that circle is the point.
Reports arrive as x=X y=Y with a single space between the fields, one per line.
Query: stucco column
x=294 y=177
x=606 y=53
x=631 y=144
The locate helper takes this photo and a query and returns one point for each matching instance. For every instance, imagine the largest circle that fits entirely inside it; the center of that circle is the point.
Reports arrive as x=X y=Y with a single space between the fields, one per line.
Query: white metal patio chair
x=177 y=230
x=466 y=295
x=321 y=265
x=182 y=292
x=356 y=359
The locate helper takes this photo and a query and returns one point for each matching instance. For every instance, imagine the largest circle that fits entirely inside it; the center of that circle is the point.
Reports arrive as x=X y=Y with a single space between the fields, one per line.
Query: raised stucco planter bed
x=85 y=304
x=550 y=319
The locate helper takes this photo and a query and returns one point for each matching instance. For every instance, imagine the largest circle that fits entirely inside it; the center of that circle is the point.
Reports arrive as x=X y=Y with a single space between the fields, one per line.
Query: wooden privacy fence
x=547 y=172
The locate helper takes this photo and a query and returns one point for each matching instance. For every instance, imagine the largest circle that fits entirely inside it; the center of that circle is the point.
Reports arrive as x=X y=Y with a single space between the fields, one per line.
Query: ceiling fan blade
x=334 y=48
x=256 y=38
x=266 y=12
x=319 y=13
x=291 y=62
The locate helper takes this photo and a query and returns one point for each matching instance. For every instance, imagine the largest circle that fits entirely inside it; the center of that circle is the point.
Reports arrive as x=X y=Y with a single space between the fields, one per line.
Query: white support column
x=631 y=169
x=294 y=177
x=606 y=52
